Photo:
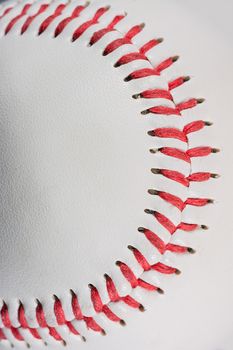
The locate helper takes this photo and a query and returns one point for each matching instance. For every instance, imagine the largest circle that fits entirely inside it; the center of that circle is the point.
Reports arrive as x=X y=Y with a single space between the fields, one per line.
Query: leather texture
x=75 y=170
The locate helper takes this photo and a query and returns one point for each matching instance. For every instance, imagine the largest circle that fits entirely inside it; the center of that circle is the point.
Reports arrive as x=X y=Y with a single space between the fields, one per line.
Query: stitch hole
x=106 y=276
x=103 y=332
x=175 y=58
x=154 y=150
x=64 y=343
x=141 y=308
x=204 y=227
x=28 y=345
x=122 y=323
x=200 y=100
x=136 y=96
x=177 y=272
x=150 y=211
x=145 y=112
x=155 y=171
x=160 y=40
x=131 y=248
x=160 y=291
x=150 y=133
x=208 y=123
x=128 y=78
x=187 y=78
x=215 y=150
x=141 y=229
x=153 y=192
x=191 y=250
x=210 y=201
x=45 y=344
x=83 y=338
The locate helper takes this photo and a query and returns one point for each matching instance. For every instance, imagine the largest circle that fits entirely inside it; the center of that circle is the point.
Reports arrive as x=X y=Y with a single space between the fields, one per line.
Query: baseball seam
x=163 y=132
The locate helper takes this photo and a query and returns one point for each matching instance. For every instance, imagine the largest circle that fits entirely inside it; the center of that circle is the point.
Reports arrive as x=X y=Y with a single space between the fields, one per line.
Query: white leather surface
x=63 y=224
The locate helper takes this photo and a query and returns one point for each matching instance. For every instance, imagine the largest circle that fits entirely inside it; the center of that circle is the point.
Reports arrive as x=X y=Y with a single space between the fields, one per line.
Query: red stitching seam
x=169 y=133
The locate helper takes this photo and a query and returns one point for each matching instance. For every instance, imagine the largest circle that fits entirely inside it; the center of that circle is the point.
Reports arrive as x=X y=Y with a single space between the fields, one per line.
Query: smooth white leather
x=75 y=170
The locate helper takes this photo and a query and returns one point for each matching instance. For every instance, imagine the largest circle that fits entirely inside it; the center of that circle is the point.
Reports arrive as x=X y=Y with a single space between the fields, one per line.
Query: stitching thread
x=169 y=133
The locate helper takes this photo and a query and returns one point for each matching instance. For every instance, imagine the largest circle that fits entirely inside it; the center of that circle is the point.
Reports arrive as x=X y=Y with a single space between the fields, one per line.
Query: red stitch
x=2 y=335
x=141 y=73
x=173 y=200
x=115 y=45
x=140 y=258
x=155 y=240
x=193 y=102
x=165 y=269
x=200 y=151
x=72 y=329
x=75 y=307
x=34 y=333
x=177 y=82
x=15 y=19
x=6 y=12
x=128 y=274
x=172 y=175
x=163 y=110
x=100 y=33
x=130 y=57
x=49 y=20
x=145 y=285
x=170 y=133
x=111 y=288
x=122 y=41
x=91 y=324
x=29 y=20
x=177 y=153
x=59 y=312
x=194 y=126
x=132 y=302
x=110 y=315
x=150 y=45
x=40 y=316
x=187 y=227
x=165 y=222
x=16 y=333
x=156 y=93
x=54 y=333
x=21 y=317
x=61 y=26
x=5 y=316
x=199 y=177
x=198 y=202
x=166 y=64
x=83 y=27
x=174 y=248
x=96 y=300
x=134 y=31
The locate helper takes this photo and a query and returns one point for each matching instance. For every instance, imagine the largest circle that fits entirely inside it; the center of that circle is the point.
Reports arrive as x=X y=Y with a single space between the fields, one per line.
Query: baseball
x=116 y=175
